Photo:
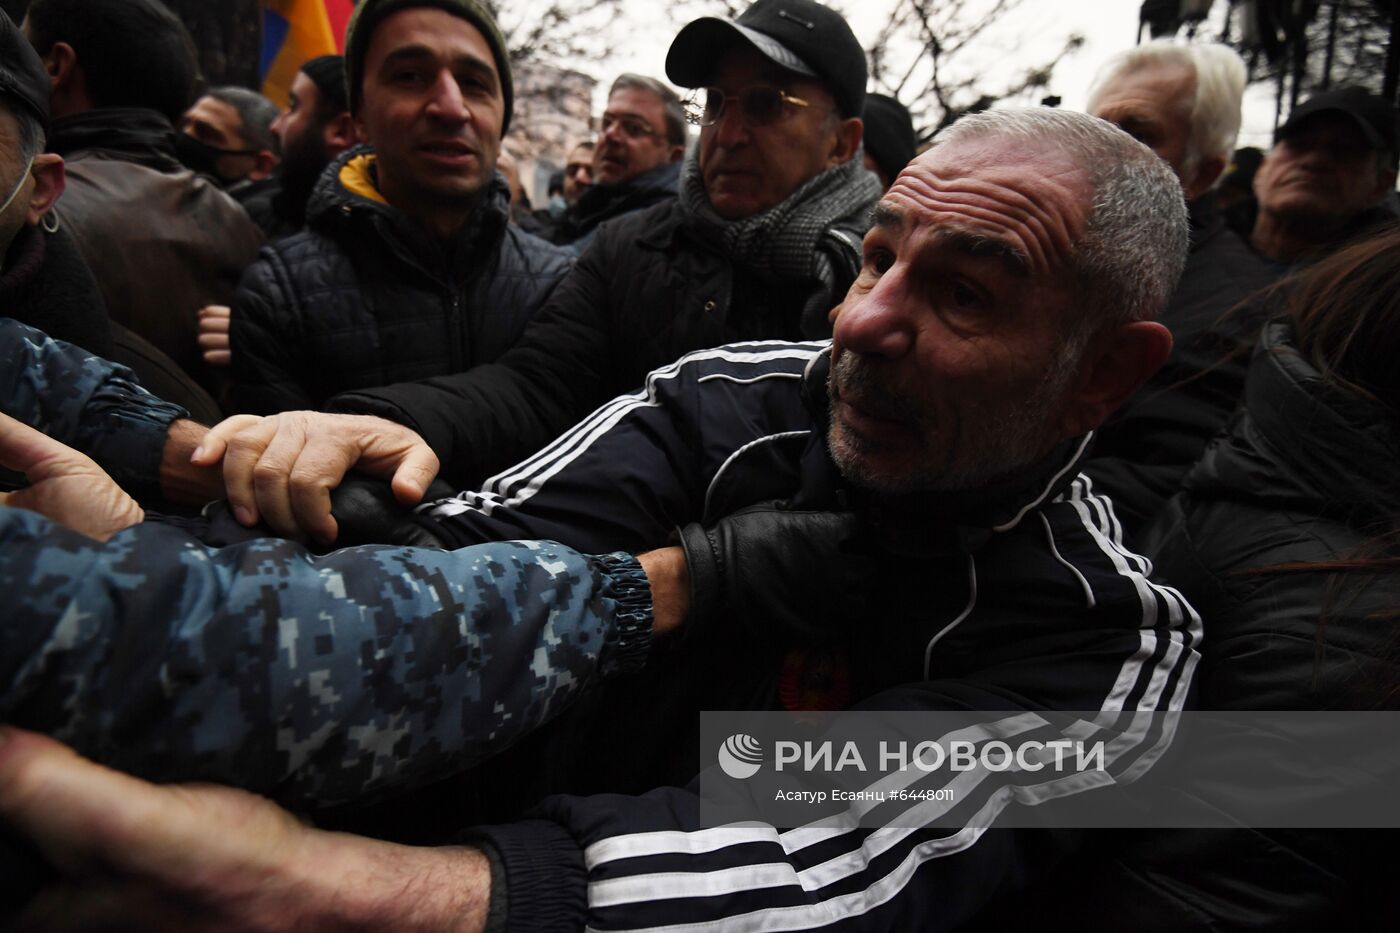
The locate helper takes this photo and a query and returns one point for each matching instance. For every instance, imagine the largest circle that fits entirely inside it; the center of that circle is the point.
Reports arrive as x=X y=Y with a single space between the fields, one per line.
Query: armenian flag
x=294 y=31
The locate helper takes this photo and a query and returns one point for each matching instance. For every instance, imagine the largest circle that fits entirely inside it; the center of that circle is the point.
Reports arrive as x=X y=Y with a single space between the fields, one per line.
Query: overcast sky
x=1028 y=37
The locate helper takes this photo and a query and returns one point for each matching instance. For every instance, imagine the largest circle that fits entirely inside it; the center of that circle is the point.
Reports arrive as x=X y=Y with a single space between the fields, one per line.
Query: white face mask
x=19 y=185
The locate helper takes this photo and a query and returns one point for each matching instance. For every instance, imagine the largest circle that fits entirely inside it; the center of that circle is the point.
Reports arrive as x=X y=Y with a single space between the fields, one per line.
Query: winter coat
x=1305 y=473
x=606 y=202
x=648 y=290
x=47 y=285
x=161 y=241
x=367 y=296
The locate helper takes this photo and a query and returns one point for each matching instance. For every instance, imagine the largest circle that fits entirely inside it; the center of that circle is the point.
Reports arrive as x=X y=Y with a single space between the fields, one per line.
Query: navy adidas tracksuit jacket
x=1026 y=599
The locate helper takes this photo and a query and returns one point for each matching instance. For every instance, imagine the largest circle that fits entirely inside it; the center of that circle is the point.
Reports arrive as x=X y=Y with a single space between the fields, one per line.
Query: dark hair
x=670 y=103
x=327 y=72
x=1345 y=312
x=1346 y=317
x=255 y=112
x=133 y=53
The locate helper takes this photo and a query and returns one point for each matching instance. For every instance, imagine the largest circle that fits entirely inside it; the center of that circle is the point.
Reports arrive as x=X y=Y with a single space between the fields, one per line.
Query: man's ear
x=338 y=134
x=1114 y=367
x=1207 y=171
x=49 y=180
x=846 y=141
x=61 y=62
x=361 y=133
x=264 y=163
x=677 y=153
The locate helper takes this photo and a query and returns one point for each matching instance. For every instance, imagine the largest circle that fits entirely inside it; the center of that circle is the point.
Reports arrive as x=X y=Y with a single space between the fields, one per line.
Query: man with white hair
x=1182 y=102
x=1003 y=309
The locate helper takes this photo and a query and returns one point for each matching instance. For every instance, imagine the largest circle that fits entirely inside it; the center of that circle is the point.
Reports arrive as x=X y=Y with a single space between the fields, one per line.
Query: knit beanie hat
x=369 y=13
x=327 y=72
x=889 y=133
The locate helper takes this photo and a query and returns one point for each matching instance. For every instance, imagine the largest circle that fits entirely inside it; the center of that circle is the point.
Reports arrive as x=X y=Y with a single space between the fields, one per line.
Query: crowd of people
x=342 y=483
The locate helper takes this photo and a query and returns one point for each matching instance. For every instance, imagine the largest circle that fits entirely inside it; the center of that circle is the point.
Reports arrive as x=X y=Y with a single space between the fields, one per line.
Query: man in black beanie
x=408 y=268
x=312 y=132
x=889 y=137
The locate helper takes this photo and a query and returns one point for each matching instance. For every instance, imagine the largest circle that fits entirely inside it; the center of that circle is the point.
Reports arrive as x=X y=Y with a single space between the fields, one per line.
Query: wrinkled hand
x=213 y=335
x=776 y=577
x=281 y=469
x=64 y=485
x=135 y=856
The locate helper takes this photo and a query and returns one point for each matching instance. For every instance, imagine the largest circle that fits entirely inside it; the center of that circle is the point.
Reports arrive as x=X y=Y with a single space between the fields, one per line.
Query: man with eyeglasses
x=636 y=161
x=761 y=243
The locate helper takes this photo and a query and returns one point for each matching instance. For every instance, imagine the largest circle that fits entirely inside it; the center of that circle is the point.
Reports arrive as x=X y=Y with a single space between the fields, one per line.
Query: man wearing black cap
x=761 y=243
x=1321 y=184
x=409 y=269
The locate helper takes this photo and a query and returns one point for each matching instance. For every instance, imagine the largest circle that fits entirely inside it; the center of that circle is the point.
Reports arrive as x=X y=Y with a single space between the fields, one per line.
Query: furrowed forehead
x=957 y=236
x=1000 y=198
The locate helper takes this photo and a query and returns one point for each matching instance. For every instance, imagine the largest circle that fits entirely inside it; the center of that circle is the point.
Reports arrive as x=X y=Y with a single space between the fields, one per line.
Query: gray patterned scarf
x=790 y=240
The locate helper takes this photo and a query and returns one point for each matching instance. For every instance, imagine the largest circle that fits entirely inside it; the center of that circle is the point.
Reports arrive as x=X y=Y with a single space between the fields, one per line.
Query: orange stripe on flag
x=308 y=35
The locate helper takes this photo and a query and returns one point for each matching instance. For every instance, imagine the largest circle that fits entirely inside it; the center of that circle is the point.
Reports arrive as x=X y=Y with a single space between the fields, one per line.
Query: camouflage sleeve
x=88 y=403
x=310 y=679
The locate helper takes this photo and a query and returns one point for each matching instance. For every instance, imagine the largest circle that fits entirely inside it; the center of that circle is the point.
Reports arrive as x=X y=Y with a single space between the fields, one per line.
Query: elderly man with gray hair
x=934 y=548
x=1183 y=102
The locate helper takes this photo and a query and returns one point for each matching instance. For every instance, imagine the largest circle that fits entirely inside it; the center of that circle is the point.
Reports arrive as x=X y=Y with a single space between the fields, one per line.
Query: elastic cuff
x=629 y=639
x=544 y=871
x=499 y=908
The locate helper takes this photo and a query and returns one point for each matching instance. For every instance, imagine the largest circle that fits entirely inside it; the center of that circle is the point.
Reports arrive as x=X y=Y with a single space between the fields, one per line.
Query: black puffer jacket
x=367 y=297
x=1305 y=473
x=646 y=291
x=602 y=203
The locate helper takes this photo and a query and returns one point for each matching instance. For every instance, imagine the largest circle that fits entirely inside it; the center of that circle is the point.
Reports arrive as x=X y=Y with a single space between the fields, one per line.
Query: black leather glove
x=366 y=512
x=778 y=577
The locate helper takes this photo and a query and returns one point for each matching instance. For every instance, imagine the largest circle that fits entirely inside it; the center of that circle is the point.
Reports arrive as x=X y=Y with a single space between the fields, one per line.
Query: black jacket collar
x=131 y=134
x=337 y=211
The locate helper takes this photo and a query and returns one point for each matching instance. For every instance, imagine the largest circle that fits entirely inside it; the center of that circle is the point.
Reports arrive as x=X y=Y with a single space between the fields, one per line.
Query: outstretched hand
x=64 y=484
x=136 y=856
x=281 y=469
